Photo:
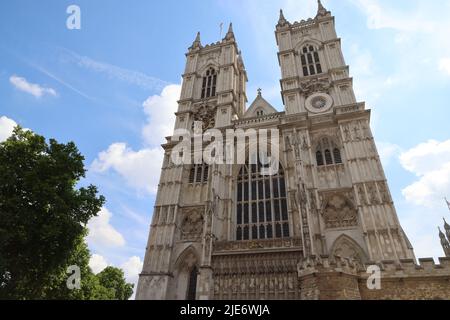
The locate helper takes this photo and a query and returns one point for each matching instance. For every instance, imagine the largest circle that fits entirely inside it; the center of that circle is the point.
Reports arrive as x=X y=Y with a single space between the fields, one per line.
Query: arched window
x=209 y=84
x=310 y=61
x=319 y=158
x=192 y=285
x=261 y=204
x=327 y=153
x=337 y=155
x=199 y=173
x=259 y=113
x=328 y=158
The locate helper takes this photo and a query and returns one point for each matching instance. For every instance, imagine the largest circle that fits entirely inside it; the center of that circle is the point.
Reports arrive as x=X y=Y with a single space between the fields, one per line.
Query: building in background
x=445 y=238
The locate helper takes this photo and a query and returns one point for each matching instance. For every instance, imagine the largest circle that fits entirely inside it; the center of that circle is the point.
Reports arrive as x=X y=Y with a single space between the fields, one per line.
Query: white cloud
x=102 y=233
x=160 y=110
x=6 y=128
x=381 y=17
x=444 y=65
x=387 y=151
x=140 y=169
x=32 y=88
x=430 y=162
x=97 y=263
x=132 y=268
x=417 y=23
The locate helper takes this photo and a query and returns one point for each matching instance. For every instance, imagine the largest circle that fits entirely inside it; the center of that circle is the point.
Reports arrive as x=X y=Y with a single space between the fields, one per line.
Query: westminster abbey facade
x=309 y=231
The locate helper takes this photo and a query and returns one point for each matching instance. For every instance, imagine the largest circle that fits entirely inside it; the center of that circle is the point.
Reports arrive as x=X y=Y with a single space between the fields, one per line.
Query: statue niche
x=192 y=225
x=339 y=212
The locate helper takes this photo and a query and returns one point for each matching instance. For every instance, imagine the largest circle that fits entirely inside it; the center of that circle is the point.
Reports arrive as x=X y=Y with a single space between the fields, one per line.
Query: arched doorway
x=185 y=274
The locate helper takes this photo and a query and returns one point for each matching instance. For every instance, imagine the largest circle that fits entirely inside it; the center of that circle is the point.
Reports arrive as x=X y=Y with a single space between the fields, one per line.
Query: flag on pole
x=221 y=27
x=448 y=203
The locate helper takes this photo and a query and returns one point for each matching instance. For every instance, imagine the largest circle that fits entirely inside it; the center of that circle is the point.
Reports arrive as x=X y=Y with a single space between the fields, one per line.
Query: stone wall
x=409 y=281
x=324 y=278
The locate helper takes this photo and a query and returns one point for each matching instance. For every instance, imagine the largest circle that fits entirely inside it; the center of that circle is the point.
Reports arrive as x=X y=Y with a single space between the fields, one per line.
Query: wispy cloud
x=64 y=83
x=34 y=89
x=114 y=72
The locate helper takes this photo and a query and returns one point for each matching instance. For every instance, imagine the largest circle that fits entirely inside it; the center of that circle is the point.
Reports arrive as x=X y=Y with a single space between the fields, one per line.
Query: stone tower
x=224 y=231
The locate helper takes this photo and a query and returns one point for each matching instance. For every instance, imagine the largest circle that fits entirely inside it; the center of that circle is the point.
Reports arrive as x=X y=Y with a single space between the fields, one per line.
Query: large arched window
x=310 y=61
x=261 y=206
x=192 y=285
x=327 y=153
x=209 y=84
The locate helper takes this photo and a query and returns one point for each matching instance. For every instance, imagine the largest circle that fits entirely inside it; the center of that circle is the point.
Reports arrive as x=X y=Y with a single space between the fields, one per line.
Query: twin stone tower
x=224 y=231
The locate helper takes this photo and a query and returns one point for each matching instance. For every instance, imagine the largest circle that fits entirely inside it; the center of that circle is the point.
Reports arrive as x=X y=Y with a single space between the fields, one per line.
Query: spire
x=444 y=242
x=441 y=235
x=196 y=44
x=446 y=225
x=321 y=11
x=282 y=20
x=230 y=33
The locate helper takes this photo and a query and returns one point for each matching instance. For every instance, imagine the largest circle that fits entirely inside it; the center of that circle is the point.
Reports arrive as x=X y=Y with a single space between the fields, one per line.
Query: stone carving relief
x=339 y=212
x=362 y=195
x=384 y=192
x=299 y=142
x=316 y=85
x=372 y=193
x=206 y=115
x=345 y=247
x=356 y=131
x=192 y=224
x=255 y=276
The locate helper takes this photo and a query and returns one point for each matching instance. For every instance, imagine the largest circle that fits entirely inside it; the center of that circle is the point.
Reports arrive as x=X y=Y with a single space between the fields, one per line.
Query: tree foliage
x=43 y=217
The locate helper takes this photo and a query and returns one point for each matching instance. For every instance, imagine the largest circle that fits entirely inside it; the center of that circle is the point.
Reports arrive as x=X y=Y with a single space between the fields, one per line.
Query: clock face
x=319 y=102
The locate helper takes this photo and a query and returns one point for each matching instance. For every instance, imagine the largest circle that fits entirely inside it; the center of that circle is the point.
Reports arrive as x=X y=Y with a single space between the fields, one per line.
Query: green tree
x=113 y=278
x=91 y=288
x=42 y=216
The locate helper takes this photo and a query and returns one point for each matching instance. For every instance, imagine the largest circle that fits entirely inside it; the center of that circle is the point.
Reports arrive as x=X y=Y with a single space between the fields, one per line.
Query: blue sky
x=112 y=87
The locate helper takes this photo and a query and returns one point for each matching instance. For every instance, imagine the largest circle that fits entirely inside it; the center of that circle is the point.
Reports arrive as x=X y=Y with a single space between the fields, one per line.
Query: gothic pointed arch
x=187 y=258
x=346 y=247
x=308 y=40
x=185 y=273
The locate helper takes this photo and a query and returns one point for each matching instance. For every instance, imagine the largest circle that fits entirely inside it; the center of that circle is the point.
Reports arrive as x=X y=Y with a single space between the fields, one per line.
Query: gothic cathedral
x=227 y=232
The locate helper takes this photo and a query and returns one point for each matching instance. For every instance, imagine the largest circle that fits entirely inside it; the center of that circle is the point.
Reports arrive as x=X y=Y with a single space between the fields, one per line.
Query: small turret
x=230 y=34
x=321 y=11
x=282 y=20
x=196 y=44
